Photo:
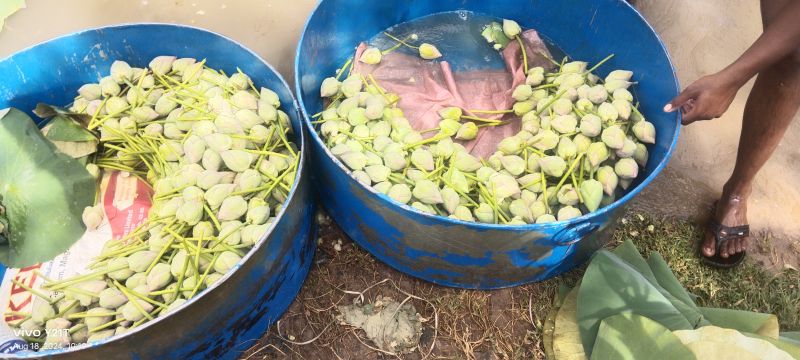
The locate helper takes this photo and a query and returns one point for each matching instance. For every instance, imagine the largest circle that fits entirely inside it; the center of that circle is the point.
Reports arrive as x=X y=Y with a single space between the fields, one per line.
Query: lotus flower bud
x=583 y=91
x=623 y=75
x=354 y=160
x=116 y=105
x=394 y=160
x=568 y=212
x=400 y=193
x=250 y=234
x=267 y=112
x=450 y=199
x=562 y=106
x=449 y=127
x=232 y=208
x=380 y=129
x=243 y=99
x=534 y=78
x=90 y=91
x=625 y=183
x=95 y=107
x=193 y=149
x=378 y=173
x=99 y=335
x=597 y=94
x=574 y=67
x=164 y=105
x=584 y=105
x=171 y=131
x=494 y=161
x=514 y=164
x=229 y=233
x=371 y=56
x=484 y=173
x=376 y=104
x=645 y=132
x=597 y=153
x=422 y=207
x=453 y=113
x=120 y=263
x=41 y=312
x=546 y=218
x=211 y=160
x=626 y=168
x=566 y=148
x=511 y=29
x=564 y=123
x=154 y=130
x=131 y=312
x=614 y=85
x=382 y=187
x=523 y=107
x=170 y=207
x=545 y=140
x=613 y=137
x=533 y=163
x=93 y=216
x=429 y=52
x=357 y=116
x=226 y=261
x=237 y=160
x=519 y=208
x=159 y=277
x=412 y=137
x=270 y=97
x=427 y=192
x=553 y=166
x=128 y=125
x=622 y=94
x=567 y=195
x=503 y=186
x=582 y=143
x=161 y=65
x=121 y=71
x=591 y=125
x=607 y=112
x=462 y=213
x=109 y=87
x=97 y=319
x=641 y=155
x=627 y=150
x=191 y=212
x=511 y=145
x=465 y=162
x=522 y=92
x=330 y=87
x=351 y=86
x=530 y=122
x=112 y=298
x=623 y=108
x=141 y=260
x=484 y=213
x=592 y=194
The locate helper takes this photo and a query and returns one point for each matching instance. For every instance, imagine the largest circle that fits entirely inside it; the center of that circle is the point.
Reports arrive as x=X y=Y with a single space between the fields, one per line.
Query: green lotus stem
x=563 y=61
x=598 y=64
x=16 y=313
x=544 y=193
x=545 y=86
x=575 y=185
x=281 y=184
x=145 y=319
x=492 y=203
x=493 y=124
x=85 y=314
x=426 y=141
x=578 y=111
x=491 y=111
x=68 y=308
x=160 y=254
x=132 y=299
x=341 y=69
x=429 y=130
x=106 y=325
x=266 y=144
x=378 y=87
x=100 y=122
x=125 y=251
x=72 y=289
x=32 y=291
x=282 y=135
x=97 y=113
x=524 y=54
x=78 y=279
x=468 y=117
x=402 y=42
x=536 y=151
x=202 y=278
x=76 y=328
x=547 y=105
x=569 y=170
x=548 y=58
x=356 y=137
x=193 y=106
x=534 y=182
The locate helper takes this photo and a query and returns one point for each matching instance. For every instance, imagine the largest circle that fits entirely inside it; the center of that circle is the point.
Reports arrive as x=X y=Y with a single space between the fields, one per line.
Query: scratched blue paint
x=452 y=252
x=229 y=317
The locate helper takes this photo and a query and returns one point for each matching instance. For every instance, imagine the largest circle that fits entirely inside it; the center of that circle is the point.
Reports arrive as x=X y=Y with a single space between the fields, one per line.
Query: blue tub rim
x=484 y=226
x=299 y=134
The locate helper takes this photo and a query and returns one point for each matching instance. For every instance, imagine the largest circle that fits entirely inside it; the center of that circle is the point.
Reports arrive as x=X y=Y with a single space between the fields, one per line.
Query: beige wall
x=269 y=27
x=702 y=36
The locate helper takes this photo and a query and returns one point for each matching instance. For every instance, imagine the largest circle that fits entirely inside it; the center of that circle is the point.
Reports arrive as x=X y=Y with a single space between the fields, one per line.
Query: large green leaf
x=44 y=193
x=792 y=337
x=611 y=286
x=567 y=343
x=630 y=336
x=712 y=342
x=62 y=128
x=744 y=321
x=550 y=321
x=790 y=346
x=667 y=279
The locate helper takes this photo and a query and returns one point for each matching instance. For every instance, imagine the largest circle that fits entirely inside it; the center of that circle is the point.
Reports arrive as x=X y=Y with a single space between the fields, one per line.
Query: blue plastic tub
x=471 y=255
x=227 y=318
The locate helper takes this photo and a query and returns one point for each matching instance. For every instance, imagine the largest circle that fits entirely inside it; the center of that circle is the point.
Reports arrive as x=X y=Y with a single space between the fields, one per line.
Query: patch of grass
x=746 y=287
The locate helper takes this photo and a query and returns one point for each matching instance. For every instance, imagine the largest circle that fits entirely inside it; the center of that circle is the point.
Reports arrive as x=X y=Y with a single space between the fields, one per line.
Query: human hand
x=705 y=99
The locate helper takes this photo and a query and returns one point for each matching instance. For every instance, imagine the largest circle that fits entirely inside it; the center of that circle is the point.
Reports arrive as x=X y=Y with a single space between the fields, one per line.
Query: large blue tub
x=228 y=317
x=470 y=255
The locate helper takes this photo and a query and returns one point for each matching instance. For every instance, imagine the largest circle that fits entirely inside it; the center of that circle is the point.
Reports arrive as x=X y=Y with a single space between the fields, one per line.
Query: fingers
x=680 y=100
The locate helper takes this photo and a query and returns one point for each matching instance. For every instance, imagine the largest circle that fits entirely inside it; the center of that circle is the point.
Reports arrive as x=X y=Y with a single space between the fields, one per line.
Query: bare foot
x=731 y=210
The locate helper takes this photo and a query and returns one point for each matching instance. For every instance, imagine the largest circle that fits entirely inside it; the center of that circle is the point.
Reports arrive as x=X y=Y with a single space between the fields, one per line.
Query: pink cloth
x=426 y=86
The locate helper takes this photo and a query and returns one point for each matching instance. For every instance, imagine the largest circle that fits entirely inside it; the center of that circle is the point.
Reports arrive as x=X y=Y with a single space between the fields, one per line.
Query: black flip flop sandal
x=723 y=234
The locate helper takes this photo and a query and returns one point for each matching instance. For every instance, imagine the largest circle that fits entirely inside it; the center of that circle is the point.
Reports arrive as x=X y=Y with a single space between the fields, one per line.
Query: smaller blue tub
x=472 y=255
x=229 y=317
